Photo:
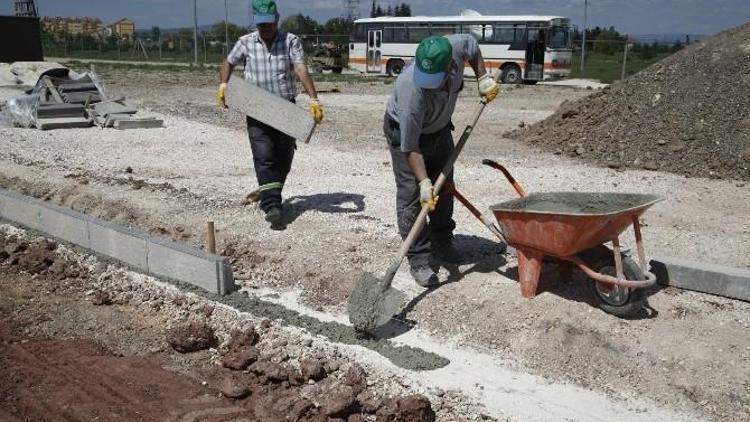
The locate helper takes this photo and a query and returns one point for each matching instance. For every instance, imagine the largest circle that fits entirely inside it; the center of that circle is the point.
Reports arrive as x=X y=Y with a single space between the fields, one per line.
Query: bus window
x=418 y=33
x=504 y=35
x=388 y=34
x=359 y=33
x=444 y=29
x=400 y=34
x=558 y=38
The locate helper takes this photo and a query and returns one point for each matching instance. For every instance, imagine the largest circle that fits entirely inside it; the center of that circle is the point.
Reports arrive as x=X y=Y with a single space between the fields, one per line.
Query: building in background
x=124 y=28
x=92 y=27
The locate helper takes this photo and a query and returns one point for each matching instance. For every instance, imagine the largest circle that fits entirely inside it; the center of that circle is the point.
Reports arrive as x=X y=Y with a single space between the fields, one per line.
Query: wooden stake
x=211 y=237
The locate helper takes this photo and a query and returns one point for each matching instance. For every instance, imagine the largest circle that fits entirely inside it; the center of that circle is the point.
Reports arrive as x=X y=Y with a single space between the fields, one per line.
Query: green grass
x=608 y=68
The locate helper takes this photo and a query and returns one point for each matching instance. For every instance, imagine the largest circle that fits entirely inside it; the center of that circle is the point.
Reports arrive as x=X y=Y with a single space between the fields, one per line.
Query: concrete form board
x=60 y=110
x=64 y=224
x=174 y=261
x=19 y=209
x=153 y=255
x=120 y=243
x=270 y=109
x=701 y=277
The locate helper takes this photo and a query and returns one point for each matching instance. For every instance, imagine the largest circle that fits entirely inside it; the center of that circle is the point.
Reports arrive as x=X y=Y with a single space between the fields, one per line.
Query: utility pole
x=226 y=24
x=585 y=27
x=625 y=57
x=195 y=30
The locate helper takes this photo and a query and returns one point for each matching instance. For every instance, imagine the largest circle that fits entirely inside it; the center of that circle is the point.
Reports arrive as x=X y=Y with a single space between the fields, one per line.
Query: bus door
x=374 y=42
x=535 y=49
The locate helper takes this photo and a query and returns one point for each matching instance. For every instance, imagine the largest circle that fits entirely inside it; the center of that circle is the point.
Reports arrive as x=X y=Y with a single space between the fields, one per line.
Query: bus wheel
x=511 y=74
x=394 y=67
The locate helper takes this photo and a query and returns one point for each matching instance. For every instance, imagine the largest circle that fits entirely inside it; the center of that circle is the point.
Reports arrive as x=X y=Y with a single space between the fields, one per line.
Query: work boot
x=274 y=215
x=424 y=275
x=444 y=251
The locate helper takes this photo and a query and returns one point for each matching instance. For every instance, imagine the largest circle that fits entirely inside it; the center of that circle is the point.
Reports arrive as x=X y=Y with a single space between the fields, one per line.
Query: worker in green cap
x=417 y=126
x=272 y=60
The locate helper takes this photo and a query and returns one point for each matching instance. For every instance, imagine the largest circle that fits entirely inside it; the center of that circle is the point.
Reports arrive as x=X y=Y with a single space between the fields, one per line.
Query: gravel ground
x=341 y=221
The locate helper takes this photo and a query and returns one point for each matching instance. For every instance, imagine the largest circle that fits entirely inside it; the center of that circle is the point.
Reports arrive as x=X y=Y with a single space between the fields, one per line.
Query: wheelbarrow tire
x=601 y=259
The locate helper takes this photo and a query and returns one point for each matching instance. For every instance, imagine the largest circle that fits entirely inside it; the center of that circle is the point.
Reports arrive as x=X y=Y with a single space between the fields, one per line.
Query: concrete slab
x=138 y=123
x=60 y=110
x=120 y=243
x=107 y=108
x=62 y=123
x=701 y=277
x=172 y=260
x=270 y=109
x=64 y=224
x=20 y=209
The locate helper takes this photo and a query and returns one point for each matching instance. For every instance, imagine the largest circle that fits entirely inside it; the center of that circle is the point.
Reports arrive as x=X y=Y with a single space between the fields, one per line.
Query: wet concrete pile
x=688 y=114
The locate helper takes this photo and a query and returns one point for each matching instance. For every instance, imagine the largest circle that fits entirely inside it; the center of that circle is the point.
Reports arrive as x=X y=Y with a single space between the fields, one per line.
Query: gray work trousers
x=436 y=148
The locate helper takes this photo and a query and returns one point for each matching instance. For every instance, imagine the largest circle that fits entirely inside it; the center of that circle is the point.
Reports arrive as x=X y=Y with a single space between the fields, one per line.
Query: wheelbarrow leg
x=529 y=270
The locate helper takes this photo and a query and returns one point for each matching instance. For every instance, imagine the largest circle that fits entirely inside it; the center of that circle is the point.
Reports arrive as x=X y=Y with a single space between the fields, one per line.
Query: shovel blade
x=371 y=305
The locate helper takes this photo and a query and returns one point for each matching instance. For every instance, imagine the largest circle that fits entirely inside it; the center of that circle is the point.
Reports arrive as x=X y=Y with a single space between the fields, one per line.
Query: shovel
x=373 y=301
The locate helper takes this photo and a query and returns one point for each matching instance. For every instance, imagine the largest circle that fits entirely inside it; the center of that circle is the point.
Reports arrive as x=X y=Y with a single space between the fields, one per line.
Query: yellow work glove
x=221 y=95
x=426 y=195
x=488 y=88
x=316 y=110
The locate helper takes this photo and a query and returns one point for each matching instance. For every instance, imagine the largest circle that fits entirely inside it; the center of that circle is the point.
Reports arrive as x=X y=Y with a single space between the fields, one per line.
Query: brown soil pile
x=688 y=114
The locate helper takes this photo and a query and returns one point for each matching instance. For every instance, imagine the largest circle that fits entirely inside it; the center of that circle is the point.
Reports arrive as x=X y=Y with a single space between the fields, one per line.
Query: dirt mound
x=688 y=114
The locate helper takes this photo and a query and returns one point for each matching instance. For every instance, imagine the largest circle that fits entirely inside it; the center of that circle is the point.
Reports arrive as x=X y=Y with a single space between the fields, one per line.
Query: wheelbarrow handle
x=474 y=211
x=517 y=186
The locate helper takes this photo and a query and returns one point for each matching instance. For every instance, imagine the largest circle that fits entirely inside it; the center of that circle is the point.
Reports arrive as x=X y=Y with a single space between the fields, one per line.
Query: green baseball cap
x=264 y=11
x=432 y=59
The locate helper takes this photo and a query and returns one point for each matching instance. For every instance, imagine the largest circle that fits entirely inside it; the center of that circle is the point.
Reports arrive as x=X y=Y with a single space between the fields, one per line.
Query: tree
x=338 y=26
x=218 y=31
x=155 y=33
x=373 y=11
x=402 y=9
x=299 y=24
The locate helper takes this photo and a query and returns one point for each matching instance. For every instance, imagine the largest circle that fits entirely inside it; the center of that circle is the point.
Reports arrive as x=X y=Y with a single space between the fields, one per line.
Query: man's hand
x=488 y=88
x=221 y=95
x=316 y=110
x=426 y=194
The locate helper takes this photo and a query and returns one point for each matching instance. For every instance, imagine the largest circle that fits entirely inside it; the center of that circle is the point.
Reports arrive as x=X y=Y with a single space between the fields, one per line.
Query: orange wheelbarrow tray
x=573 y=228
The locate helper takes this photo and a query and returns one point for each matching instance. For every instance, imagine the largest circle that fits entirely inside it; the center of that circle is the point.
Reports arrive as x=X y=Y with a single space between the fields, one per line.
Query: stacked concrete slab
x=149 y=254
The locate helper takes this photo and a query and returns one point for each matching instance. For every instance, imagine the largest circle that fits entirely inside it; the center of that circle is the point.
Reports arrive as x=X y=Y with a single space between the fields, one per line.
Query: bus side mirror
x=351 y=46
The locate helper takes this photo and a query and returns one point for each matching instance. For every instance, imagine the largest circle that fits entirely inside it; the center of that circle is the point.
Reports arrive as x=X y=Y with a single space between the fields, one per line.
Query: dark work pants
x=273 y=152
x=436 y=149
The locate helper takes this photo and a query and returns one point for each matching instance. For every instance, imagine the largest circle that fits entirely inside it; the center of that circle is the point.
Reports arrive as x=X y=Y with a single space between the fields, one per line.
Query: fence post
x=624 y=60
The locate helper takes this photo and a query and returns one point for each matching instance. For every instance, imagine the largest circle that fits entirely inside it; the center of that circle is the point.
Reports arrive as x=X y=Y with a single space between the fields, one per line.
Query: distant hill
x=667 y=38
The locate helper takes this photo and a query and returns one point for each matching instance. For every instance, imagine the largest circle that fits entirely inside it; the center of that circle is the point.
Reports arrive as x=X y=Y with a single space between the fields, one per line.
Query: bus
x=524 y=48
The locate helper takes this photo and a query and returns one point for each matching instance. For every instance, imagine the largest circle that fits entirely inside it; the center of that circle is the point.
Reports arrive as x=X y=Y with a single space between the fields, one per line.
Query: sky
x=632 y=17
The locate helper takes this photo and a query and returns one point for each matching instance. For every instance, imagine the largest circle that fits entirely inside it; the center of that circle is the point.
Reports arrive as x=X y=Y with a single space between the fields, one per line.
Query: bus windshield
x=559 y=38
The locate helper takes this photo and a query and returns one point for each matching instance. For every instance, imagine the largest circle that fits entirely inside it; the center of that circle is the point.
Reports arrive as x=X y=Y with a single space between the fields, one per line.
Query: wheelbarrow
x=573 y=228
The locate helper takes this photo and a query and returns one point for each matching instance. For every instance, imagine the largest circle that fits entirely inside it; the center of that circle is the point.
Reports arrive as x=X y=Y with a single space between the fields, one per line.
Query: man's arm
x=488 y=88
x=304 y=76
x=415 y=160
x=225 y=71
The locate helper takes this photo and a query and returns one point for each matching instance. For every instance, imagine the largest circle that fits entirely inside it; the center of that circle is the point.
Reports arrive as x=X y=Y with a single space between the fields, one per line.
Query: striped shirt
x=272 y=70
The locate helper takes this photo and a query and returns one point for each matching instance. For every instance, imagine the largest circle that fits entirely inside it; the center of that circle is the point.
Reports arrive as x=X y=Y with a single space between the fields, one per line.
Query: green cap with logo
x=264 y=11
x=432 y=59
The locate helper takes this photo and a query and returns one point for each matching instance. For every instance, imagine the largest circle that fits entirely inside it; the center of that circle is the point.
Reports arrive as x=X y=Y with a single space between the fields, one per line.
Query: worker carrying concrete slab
x=272 y=58
x=418 y=129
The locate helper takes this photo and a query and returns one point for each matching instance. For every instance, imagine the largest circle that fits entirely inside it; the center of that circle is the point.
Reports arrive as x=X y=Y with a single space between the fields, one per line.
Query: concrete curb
x=714 y=279
x=149 y=254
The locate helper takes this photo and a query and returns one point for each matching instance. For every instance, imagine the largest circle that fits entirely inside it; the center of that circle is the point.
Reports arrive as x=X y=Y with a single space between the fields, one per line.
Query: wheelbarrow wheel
x=619 y=301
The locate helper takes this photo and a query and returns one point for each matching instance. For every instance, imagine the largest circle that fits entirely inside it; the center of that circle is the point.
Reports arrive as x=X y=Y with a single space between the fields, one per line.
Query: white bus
x=524 y=48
